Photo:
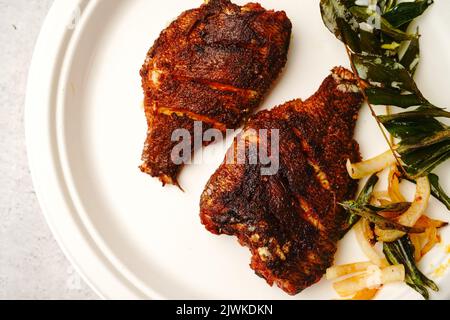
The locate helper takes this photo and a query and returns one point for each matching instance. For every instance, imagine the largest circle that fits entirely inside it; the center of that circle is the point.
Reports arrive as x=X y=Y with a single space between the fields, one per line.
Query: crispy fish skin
x=212 y=64
x=291 y=221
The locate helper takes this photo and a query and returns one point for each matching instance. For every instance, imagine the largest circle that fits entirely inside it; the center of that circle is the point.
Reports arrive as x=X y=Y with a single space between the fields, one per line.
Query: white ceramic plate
x=128 y=236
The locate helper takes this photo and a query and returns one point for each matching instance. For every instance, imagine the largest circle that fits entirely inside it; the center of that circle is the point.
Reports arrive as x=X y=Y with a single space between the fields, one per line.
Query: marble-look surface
x=32 y=265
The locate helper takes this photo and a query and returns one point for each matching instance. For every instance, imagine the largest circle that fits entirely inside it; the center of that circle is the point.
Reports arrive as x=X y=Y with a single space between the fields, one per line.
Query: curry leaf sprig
x=372 y=214
x=385 y=56
x=362 y=200
x=402 y=252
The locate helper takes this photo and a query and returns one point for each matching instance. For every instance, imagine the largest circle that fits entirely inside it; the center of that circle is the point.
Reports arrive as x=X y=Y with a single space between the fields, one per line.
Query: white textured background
x=31 y=264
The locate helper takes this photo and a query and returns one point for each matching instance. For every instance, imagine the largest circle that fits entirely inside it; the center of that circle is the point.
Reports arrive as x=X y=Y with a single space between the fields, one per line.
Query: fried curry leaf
x=364 y=14
x=339 y=20
x=366 y=192
x=370 y=213
x=407 y=146
x=437 y=190
x=425 y=141
x=411 y=129
x=393 y=97
x=384 y=72
x=370 y=42
x=421 y=162
x=362 y=199
x=399 y=207
x=418 y=114
x=405 y=12
x=411 y=58
x=401 y=251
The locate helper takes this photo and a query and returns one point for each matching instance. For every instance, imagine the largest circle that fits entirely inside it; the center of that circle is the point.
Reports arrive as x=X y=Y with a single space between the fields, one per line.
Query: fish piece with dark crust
x=212 y=64
x=291 y=221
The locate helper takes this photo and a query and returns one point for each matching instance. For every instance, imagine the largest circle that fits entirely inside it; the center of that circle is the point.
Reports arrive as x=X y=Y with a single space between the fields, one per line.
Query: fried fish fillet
x=213 y=64
x=291 y=221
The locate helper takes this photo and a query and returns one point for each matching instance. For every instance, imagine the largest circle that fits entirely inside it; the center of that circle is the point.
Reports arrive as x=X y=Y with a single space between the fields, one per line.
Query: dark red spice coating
x=213 y=64
x=291 y=221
